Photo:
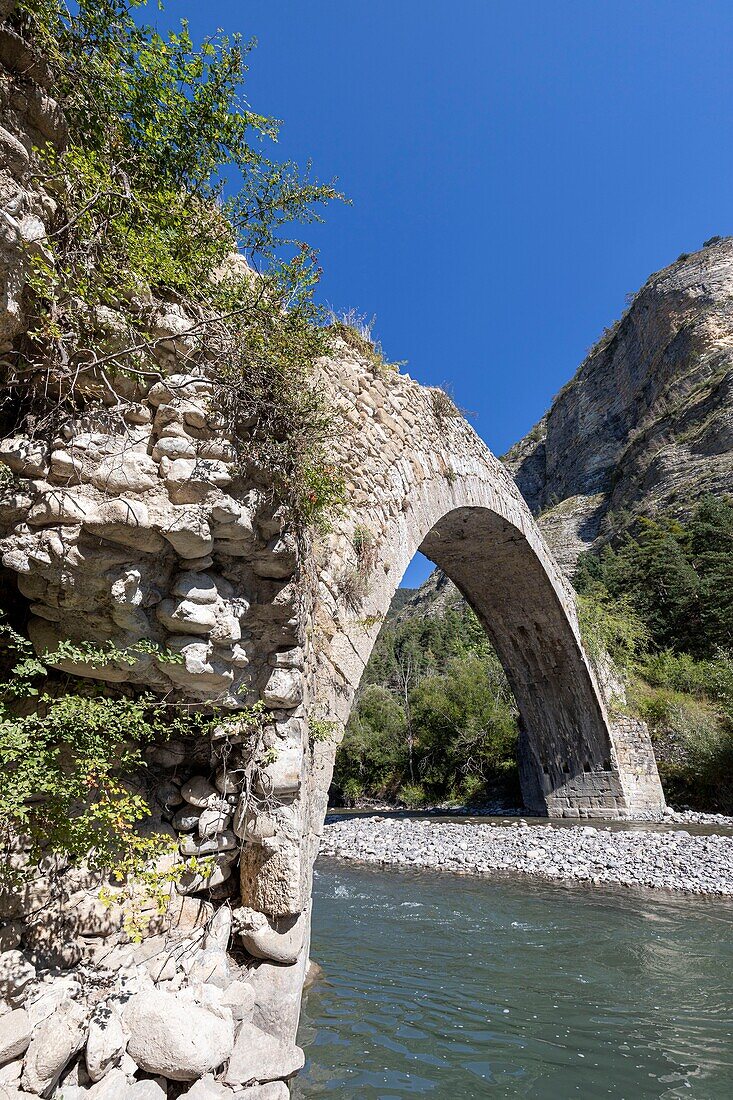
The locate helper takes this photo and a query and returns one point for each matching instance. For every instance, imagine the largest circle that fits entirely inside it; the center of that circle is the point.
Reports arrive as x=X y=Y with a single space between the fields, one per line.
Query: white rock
x=213 y=821
x=273 y=1090
x=284 y=688
x=186 y=617
x=15 y=1034
x=147 y=1090
x=283 y=776
x=107 y=1041
x=222 y=842
x=207 y=1088
x=53 y=1045
x=189 y=534
x=277 y=939
x=16 y=974
x=114 y=1085
x=128 y=472
x=239 y=996
x=258 y=1056
x=199 y=587
x=174 y=1037
x=199 y=792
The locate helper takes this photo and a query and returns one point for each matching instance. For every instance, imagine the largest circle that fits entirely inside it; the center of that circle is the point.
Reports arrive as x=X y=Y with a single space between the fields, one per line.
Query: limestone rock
x=53 y=1045
x=15 y=1034
x=106 y=1042
x=175 y=1037
x=273 y=1090
x=258 y=1056
x=284 y=688
x=16 y=974
x=588 y=459
x=280 y=940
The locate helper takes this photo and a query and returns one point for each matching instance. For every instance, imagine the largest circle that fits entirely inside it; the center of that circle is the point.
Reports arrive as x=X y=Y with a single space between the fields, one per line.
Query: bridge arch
x=437 y=488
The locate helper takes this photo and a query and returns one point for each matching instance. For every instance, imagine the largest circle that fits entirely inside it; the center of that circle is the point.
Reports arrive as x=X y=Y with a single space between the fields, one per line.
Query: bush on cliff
x=161 y=176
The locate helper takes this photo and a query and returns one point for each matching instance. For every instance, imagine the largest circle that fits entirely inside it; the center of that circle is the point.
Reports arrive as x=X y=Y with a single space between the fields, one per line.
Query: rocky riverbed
x=669 y=860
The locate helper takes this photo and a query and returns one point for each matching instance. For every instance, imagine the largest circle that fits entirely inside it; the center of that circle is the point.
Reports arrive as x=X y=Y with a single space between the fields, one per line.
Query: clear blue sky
x=516 y=168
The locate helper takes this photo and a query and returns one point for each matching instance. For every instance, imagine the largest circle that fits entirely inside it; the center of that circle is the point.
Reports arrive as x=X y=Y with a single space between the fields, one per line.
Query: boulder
x=128 y=472
x=107 y=1041
x=273 y=1090
x=259 y=1057
x=277 y=939
x=175 y=1037
x=53 y=1045
x=16 y=974
x=207 y=1088
x=284 y=688
x=15 y=1034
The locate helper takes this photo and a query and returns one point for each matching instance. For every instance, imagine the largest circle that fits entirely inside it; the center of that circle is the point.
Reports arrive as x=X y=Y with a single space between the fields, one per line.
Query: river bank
x=670 y=860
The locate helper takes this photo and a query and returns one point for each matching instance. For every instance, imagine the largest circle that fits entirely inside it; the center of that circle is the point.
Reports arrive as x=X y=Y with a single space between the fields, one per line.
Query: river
x=456 y=988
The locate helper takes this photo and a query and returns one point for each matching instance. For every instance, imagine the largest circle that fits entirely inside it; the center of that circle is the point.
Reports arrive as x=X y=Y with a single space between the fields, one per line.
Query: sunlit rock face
x=647 y=421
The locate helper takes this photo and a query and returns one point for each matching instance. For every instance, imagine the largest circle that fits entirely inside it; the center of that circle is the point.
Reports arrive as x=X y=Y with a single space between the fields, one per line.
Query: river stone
x=15 y=1034
x=53 y=1045
x=279 y=940
x=207 y=1088
x=175 y=1037
x=222 y=842
x=258 y=1056
x=273 y=1090
x=212 y=822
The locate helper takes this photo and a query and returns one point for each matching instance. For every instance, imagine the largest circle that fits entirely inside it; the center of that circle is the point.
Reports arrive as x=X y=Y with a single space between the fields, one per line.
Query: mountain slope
x=646 y=423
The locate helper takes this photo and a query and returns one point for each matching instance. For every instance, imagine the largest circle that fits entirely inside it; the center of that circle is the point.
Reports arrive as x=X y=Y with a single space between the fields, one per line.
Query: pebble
x=668 y=860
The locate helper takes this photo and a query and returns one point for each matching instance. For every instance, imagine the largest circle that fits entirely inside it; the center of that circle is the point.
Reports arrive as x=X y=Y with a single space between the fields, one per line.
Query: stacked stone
x=142 y=1021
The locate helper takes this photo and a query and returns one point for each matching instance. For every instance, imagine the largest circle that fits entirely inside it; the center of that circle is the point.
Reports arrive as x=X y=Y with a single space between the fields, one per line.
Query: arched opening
x=570 y=761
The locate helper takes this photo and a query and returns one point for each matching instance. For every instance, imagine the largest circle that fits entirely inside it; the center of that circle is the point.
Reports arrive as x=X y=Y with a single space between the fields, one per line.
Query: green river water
x=454 y=987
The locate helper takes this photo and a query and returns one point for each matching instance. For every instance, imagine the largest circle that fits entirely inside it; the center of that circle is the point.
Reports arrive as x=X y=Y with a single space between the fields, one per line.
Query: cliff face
x=647 y=421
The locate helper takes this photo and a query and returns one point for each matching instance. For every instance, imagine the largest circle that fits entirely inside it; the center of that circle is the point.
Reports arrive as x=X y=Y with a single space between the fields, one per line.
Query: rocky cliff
x=646 y=423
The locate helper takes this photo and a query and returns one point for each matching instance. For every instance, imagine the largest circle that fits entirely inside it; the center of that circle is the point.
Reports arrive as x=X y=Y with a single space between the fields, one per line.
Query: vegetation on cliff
x=160 y=196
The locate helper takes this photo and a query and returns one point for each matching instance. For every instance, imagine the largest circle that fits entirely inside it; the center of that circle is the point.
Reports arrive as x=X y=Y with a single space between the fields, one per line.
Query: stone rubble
x=669 y=860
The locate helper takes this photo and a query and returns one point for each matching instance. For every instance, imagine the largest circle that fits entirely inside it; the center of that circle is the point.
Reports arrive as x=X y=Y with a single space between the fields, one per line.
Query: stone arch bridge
x=145 y=533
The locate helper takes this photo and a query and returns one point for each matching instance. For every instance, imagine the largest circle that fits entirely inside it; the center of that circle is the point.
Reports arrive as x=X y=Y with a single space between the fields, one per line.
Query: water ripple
x=455 y=989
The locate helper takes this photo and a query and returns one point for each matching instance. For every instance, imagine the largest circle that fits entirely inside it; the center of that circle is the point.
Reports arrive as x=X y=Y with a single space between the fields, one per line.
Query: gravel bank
x=673 y=860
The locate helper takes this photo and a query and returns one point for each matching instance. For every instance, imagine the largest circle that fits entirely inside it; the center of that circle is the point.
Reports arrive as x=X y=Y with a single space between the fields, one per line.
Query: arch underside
x=566 y=752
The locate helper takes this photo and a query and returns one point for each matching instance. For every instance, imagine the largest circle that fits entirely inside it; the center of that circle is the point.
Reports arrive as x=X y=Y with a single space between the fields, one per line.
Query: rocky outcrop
x=647 y=422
